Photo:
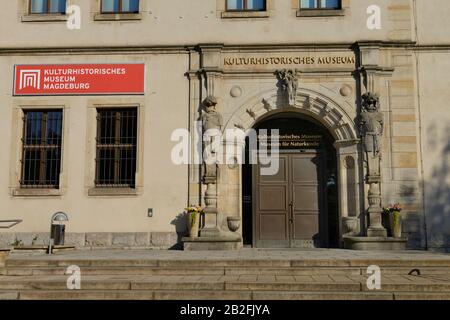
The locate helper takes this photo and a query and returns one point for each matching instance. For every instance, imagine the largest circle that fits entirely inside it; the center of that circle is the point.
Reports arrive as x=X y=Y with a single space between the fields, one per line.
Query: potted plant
x=193 y=213
x=395 y=219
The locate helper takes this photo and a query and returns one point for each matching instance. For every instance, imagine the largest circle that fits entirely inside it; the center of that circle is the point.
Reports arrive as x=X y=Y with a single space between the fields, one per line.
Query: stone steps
x=284 y=271
x=232 y=283
x=43 y=277
x=214 y=295
x=193 y=295
x=208 y=263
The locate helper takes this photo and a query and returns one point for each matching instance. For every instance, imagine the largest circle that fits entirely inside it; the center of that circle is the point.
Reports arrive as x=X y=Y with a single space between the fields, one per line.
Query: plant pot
x=194 y=224
x=234 y=223
x=396 y=224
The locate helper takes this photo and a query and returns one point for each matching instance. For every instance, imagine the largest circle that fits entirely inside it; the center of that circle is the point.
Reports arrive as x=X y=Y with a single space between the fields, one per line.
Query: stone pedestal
x=210 y=228
x=376 y=228
x=374 y=243
x=227 y=242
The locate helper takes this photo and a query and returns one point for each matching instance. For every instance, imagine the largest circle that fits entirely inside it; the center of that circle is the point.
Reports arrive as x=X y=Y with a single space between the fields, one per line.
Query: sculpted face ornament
x=289 y=84
x=372 y=124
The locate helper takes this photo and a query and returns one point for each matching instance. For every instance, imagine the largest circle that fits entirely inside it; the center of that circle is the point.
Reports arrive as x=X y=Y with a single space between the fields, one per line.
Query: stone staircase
x=226 y=278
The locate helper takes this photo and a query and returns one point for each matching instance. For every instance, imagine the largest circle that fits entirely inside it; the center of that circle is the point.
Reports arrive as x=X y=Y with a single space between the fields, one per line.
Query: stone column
x=210 y=227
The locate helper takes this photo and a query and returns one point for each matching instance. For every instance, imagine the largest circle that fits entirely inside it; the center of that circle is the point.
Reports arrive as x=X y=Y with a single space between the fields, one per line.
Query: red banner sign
x=79 y=79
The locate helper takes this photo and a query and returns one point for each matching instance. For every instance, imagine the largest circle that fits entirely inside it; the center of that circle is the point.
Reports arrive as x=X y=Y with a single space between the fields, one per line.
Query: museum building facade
x=352 y=93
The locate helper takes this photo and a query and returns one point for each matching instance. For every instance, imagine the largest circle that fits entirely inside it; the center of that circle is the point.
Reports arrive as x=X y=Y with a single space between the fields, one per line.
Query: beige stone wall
x=434 y=97
x=400 y=145
x=432 y=20
x=161 y=184
x=432 y=63
x=201 y=21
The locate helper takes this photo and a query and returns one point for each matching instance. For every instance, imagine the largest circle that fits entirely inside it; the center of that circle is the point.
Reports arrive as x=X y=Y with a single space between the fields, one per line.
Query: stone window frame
x=27 y=16
x=98 y=15
x=345 y=5
x=17 y=144
x=91 y=134
x=224 y=14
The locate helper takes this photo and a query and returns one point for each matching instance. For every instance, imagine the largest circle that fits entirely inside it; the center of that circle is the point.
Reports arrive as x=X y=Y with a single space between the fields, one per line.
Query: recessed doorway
x=298 y=205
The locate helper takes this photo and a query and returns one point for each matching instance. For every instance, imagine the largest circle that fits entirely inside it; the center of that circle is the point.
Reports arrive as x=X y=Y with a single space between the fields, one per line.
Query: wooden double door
x=289 y=207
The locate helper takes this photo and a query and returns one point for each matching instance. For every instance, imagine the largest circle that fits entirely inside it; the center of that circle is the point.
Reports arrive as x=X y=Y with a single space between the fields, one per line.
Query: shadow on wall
x=180 y=223
x=437 y=192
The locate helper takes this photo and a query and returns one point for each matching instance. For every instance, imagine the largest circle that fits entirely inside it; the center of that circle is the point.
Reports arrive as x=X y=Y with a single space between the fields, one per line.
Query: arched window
x=320 y=4
x=246 y=5
x=48 y=6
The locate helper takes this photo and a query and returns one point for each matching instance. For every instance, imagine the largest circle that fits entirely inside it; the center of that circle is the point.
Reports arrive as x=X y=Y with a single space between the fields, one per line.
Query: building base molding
x=93 y=240
x=375 y=243
x=4 y=252
x=212 y=243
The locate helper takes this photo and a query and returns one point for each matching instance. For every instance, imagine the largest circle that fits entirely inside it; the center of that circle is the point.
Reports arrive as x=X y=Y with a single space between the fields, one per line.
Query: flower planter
x=194 y=224
x=193 y=220
x=396 y=224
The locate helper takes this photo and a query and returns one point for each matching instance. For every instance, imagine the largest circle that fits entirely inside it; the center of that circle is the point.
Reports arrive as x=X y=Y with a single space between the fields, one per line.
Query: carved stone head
x=371 y=102
x=210 y=103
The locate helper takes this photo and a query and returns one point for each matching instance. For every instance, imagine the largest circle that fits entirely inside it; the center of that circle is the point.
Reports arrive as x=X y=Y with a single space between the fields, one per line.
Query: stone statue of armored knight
x=372 y=123
x=212 y=123
x=371 y=127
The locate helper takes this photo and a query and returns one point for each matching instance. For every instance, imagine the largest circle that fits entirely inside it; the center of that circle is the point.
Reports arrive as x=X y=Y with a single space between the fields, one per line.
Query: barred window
x=320 y=4
x=120 y=6
x=116 y=147
x=246 y=5
x=41 y=154
x=48 y=6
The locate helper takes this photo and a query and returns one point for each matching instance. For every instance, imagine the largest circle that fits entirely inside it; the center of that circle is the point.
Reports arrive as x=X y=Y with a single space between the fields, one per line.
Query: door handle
x=291 y=212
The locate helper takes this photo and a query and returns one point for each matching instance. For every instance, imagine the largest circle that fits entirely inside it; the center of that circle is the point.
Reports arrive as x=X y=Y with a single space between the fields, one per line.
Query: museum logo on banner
x=79 y=79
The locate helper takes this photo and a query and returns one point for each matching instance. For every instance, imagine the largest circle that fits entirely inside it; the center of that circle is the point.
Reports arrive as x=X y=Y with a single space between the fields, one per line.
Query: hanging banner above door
x=79 y=79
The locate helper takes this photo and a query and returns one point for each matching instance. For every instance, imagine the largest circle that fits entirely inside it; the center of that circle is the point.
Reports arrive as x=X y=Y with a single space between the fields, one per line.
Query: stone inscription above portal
x=297 y=60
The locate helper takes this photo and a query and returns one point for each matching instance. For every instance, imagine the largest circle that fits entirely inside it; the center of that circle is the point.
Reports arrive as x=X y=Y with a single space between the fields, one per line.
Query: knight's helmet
x=370 y=99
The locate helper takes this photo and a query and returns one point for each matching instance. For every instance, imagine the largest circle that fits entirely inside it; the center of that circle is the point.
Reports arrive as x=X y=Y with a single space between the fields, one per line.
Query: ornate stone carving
x=234 y=223
x=236 y=92
x=350 y=226
x=251 y=113
x=289 y=84
x=345 y=90
x=372 y=126
x=212 y=123
x=268 y=105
